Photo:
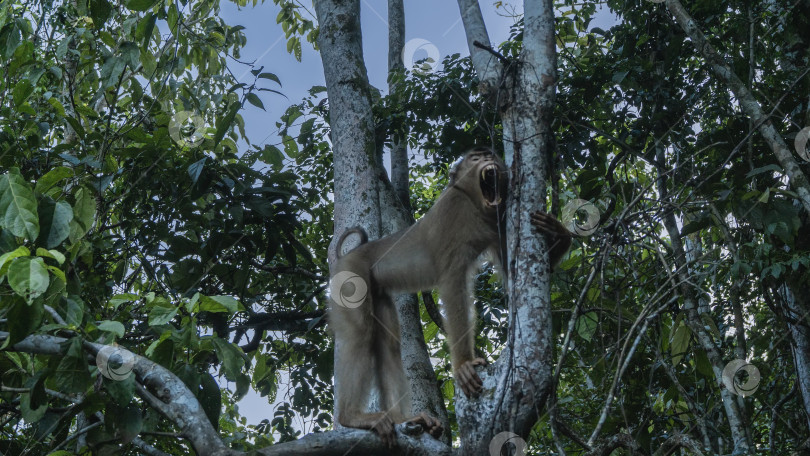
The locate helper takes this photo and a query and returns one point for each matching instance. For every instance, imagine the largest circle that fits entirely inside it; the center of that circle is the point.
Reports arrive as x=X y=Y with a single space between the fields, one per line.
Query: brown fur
x=439 y=251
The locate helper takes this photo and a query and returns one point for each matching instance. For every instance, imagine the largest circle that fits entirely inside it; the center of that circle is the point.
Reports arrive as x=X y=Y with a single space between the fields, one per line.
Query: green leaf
x=272 y=156
x=84 y=214
x=57 y=105
x=22 y=319
x=52 y=177
x=119 y=299
x=111 y=326
x=74 y=315
x=145 y=28
x=29 y=414
x=5 y=259
x=53 y=254
x=131 y=53
x=218 y=304
x=290 y=146
x=54 y=218
x=99 y=11
x=140 y=5
x=22 y=90
x=255 y=100
x=196 y=169
x=18 y=207
x=586 y=325
x=28 y=277
x=128 y=423
x=72 y=374
x=210 y=397
x=679 y=343
x=162 y=313
x=270 y=76
x=122 y=390
x=224 y=123
x=231 y=357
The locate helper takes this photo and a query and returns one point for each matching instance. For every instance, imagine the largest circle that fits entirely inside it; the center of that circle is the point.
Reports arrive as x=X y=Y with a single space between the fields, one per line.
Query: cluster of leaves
x=128 y=217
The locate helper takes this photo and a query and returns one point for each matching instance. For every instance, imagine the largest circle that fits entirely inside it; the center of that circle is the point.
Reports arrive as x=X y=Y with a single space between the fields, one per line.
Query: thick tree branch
x=175 y=400
x=410 y=441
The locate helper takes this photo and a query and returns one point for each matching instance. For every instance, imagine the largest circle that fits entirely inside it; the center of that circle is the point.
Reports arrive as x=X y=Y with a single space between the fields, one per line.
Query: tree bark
x=362 y=191
x=796 y=300
x=399 y=144
x=517 y=386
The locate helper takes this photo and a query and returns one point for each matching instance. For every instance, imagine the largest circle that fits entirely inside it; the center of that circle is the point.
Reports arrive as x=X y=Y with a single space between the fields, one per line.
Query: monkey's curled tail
x=355 y=230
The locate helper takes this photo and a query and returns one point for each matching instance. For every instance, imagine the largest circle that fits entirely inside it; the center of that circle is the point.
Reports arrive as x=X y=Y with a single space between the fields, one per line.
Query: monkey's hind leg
x=392 y=384
x=354 y=370
x=395 y=397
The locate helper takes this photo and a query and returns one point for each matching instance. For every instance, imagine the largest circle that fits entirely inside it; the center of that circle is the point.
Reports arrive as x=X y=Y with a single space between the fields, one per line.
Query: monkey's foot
x=468 y=379
x=431 y=425
x=381 y=423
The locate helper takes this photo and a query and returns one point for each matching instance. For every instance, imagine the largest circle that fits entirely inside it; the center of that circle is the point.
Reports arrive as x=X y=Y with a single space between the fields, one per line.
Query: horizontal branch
x=411 y=441
x=164 y=391
x=176 y=401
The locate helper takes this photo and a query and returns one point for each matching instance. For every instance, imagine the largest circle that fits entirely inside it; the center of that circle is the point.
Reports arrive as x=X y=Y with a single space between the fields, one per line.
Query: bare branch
x=487 y=66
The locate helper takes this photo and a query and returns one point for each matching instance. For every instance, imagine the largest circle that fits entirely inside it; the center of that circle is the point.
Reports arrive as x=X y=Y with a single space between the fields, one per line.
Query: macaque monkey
x=440 y=250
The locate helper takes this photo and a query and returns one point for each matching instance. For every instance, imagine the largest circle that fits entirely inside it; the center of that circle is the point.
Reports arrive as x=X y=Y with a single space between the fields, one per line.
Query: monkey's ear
x=451 y=176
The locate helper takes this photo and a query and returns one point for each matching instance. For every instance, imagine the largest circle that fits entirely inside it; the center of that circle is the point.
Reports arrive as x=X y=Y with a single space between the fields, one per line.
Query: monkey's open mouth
x=490 y=185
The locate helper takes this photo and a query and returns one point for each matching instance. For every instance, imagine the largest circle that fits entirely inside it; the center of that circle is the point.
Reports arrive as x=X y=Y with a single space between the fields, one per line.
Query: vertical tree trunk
x=362 y=192
x=796 y=299
x=351 y=122
x=399 y=148
x=518 y=386
x=395 y=206
x=350 y=118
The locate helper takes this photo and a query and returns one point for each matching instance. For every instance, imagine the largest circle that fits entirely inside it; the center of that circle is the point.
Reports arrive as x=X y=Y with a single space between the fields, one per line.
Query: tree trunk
x=796 y=300
x=517 y=386
x=362 y=191
x=399 y=146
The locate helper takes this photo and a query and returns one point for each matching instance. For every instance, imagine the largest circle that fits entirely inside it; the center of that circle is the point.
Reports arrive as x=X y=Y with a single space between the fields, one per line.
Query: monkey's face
x=482 y=175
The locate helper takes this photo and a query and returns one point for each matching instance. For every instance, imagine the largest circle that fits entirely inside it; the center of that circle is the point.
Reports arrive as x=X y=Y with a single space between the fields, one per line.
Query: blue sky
x=438 y=22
